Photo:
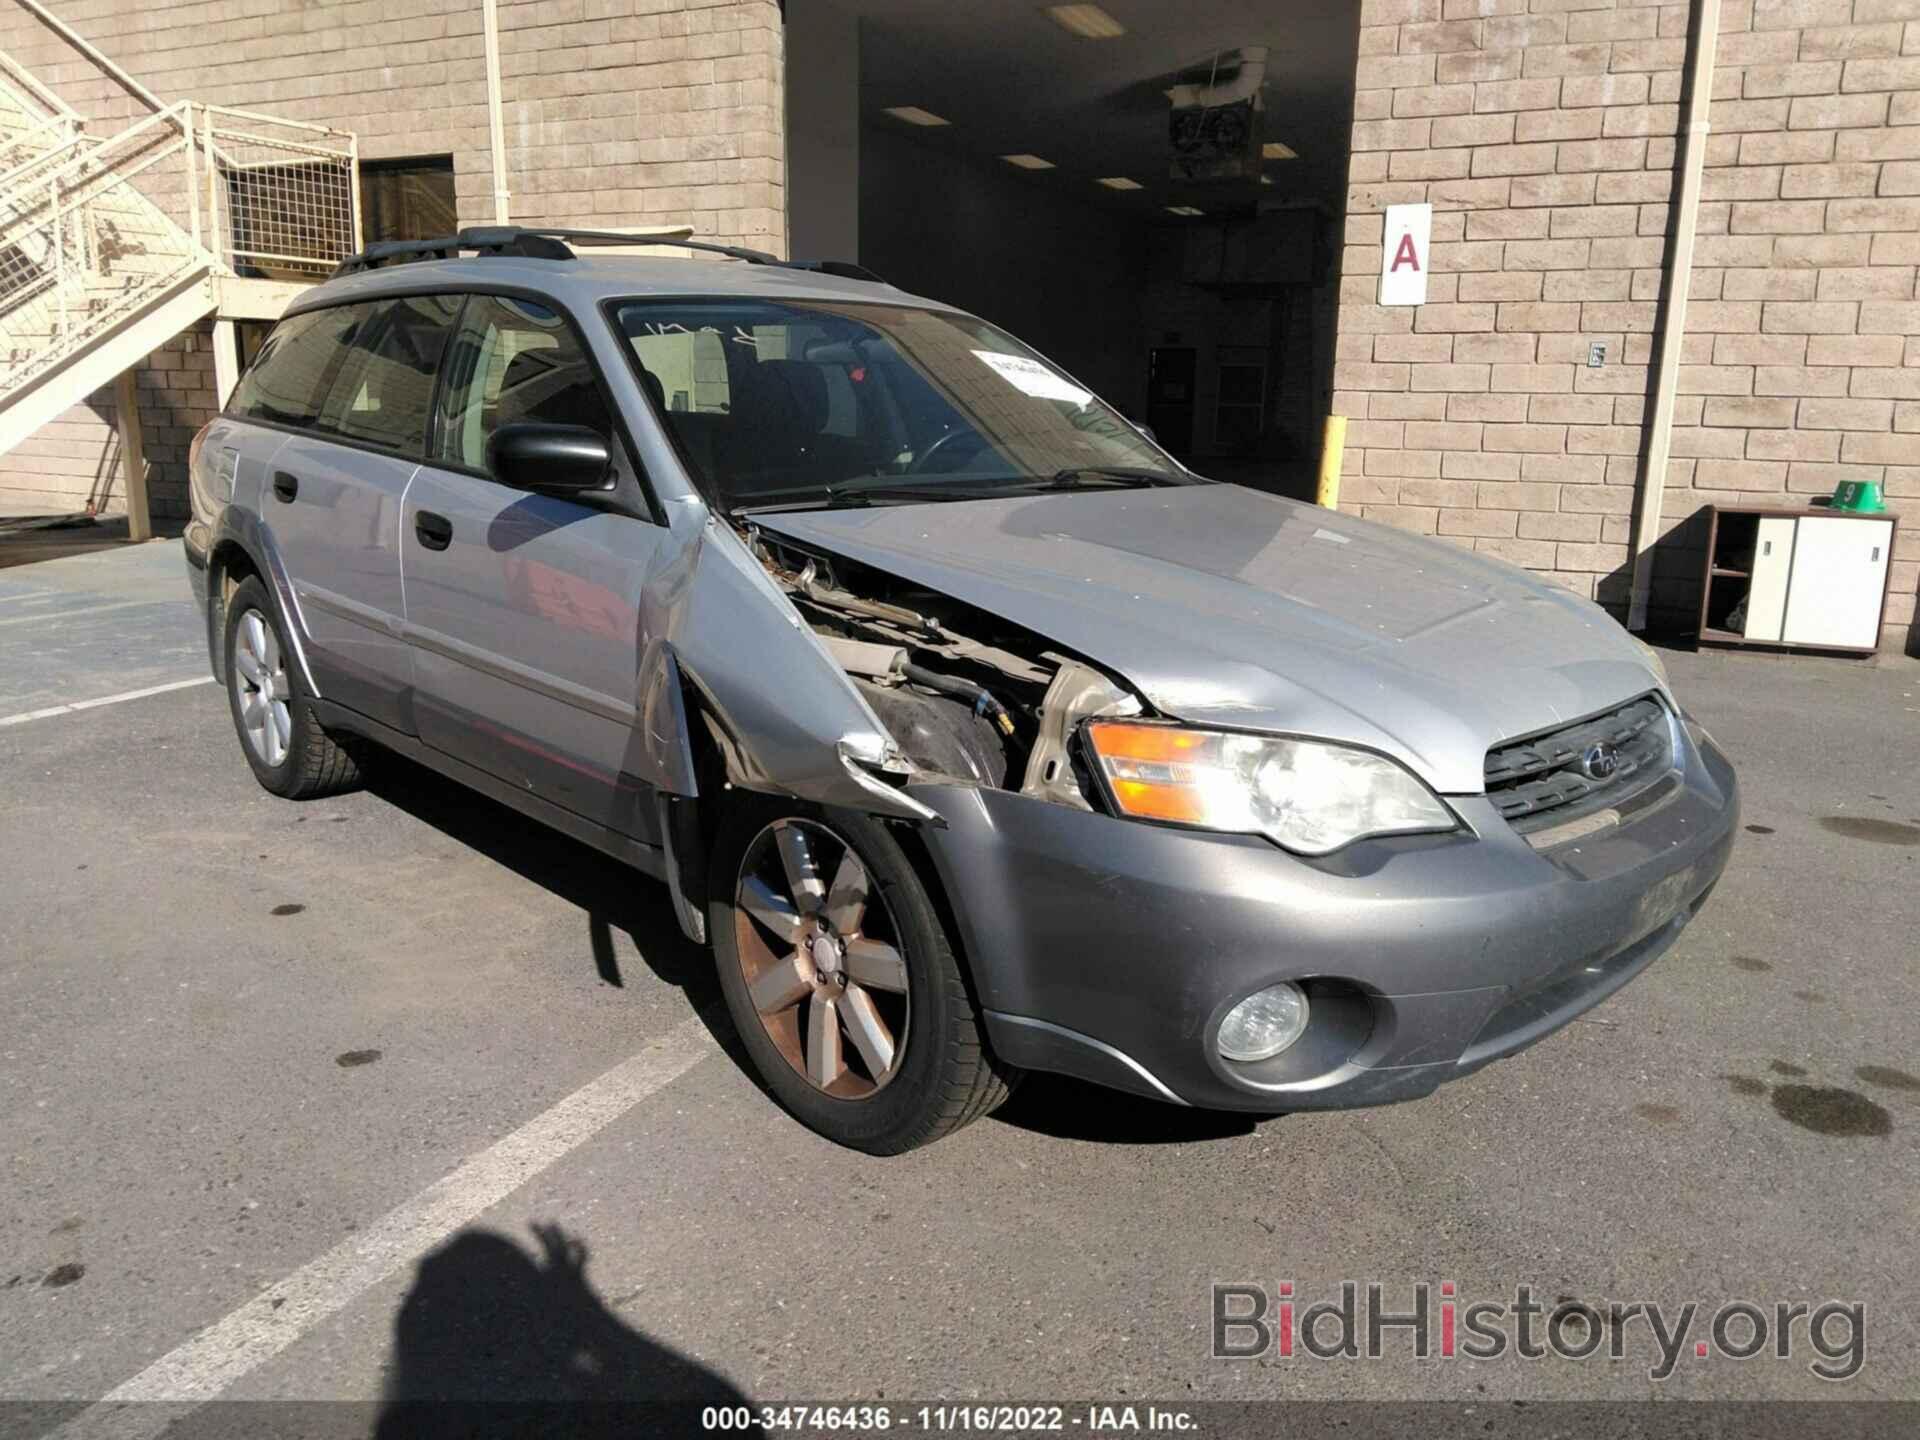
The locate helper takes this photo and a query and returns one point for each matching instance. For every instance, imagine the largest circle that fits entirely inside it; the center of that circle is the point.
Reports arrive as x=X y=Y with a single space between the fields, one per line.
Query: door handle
x=285 y=486
x=434 y=531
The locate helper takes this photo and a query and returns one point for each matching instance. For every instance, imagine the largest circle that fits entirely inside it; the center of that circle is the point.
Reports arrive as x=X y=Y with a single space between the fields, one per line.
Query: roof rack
x=543 y=244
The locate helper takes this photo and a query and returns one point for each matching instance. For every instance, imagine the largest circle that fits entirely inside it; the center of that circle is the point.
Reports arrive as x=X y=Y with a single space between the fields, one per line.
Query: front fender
x=791 y=721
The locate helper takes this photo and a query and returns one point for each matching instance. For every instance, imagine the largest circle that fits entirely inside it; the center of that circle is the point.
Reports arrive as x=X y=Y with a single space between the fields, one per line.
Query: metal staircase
x=110 y=247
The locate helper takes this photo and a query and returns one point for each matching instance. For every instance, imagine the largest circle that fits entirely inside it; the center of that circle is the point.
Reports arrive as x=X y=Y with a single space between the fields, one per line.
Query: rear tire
x=899 y=1059
x=279 y=734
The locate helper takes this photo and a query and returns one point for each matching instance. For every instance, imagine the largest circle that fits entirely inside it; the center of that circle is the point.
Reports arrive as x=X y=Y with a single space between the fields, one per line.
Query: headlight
x=1309 y=797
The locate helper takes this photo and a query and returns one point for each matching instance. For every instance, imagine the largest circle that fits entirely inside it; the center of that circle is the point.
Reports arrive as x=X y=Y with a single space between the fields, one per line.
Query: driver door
x=523 y=609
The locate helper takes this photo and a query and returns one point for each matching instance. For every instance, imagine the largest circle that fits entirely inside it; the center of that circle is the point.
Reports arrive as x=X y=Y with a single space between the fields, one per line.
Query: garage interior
x=1150 y=195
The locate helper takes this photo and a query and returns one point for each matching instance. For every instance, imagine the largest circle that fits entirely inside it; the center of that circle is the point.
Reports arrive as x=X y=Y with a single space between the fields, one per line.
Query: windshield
x=801 y=402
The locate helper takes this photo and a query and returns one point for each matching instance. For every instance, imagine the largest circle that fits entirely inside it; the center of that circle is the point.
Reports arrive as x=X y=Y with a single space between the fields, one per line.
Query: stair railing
x=90 y=243
x=94 y=230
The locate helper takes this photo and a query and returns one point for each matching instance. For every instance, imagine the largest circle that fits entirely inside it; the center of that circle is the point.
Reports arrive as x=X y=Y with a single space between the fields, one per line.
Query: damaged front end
x=967 y=698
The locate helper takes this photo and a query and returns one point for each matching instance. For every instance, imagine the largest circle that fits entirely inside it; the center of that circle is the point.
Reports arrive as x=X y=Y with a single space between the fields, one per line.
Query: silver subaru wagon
x=975 y=733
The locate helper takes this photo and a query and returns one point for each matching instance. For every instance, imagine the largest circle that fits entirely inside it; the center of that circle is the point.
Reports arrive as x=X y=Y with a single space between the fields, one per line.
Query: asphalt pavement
x=398 y=1096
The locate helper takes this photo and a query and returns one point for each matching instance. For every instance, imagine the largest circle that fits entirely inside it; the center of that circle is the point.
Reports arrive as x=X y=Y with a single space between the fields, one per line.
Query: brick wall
x=617 y=113
x=1542 y=131
x=1542 y=134
x=1809 y=372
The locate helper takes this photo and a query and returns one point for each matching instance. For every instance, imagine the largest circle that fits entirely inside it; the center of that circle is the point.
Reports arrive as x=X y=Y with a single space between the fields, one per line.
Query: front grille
x=1540 y=780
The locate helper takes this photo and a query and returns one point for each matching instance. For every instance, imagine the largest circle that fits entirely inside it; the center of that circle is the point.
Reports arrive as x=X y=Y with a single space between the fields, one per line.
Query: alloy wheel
x=260 y=689
x=821 y=956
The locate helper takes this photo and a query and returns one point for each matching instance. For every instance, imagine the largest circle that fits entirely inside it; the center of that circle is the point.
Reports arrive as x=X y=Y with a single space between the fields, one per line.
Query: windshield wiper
x=848 y=495
x=1073 y=476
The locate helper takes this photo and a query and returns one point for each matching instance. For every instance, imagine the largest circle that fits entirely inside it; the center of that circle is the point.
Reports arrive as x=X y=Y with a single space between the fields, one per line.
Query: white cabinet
x=1838 y=577
x=1784 y=577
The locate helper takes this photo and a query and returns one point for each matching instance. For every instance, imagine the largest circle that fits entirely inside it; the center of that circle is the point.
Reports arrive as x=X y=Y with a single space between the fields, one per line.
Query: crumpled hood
x=1227 y=606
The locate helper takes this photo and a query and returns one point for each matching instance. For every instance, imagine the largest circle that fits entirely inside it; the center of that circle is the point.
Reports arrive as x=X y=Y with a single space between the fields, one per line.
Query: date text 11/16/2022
x=948 y=1419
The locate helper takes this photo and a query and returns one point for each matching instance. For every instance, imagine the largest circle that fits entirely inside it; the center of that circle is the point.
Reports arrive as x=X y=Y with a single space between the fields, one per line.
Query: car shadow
x=1068 y=1109
x=615 y=898
x=493 y=1341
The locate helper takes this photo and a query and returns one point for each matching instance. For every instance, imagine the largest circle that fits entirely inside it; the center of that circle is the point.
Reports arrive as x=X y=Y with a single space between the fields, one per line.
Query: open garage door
x=1149 y=194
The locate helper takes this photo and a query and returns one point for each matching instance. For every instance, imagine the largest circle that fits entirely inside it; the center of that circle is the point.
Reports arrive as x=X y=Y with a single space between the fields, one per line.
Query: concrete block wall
x=1543 y=133
x=617 y=113
x=72 y=465
x=1802 y=354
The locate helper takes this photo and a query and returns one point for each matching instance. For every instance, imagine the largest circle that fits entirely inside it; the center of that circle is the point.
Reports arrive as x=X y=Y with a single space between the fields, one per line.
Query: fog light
x=1263 y=1024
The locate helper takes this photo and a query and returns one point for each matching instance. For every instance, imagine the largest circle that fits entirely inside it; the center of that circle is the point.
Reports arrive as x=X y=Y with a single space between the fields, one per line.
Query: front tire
x=290 y=754
x=841 y=979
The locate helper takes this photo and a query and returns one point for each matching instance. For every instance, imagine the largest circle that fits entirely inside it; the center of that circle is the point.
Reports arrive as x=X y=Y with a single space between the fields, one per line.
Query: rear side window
x=362 y=372
x=515 y=360
x=382 y=392
x=288 y=378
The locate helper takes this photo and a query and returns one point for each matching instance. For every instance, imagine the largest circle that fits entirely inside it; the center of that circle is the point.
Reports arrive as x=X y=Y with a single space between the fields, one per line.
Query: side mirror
x=551 y=459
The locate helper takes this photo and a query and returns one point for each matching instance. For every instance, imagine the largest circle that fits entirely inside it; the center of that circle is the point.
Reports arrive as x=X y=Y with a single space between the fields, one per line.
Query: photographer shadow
x=493 y=1342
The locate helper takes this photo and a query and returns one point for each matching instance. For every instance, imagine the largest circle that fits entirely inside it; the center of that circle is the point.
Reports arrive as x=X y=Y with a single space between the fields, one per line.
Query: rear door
x=353 y=386
x=524 y=610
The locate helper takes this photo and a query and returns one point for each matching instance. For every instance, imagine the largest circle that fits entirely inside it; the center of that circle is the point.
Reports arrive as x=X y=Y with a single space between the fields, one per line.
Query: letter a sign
x=1403 y=258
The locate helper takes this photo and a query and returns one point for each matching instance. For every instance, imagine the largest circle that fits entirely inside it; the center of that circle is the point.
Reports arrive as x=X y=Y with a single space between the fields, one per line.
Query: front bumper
x=1112 y=950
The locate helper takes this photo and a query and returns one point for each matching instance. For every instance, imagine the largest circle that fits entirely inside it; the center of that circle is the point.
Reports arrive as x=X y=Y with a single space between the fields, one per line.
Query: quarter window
x=515 y=360
x=287 y=379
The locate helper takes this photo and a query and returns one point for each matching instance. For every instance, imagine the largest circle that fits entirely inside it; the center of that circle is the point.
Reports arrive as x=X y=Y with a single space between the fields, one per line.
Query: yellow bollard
x=1332 y=452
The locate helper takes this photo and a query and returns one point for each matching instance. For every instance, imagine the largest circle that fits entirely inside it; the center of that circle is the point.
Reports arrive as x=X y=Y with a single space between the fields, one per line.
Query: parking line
x=206 y=1365
x=71 y=707
x=82 y=610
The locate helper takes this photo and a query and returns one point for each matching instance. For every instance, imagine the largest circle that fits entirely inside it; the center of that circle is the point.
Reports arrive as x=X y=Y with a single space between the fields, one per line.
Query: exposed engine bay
x=968 y=697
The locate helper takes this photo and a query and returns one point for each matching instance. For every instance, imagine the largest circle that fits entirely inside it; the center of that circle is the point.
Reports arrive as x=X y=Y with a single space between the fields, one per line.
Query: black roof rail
x=845 y=269
x=544 y=244
x=481 y=239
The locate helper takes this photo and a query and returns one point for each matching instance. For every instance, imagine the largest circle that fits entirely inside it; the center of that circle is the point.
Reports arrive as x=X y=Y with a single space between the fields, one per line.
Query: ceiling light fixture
x=1186 y=210
x=1119 y=182
x=1089 y=22
x=1274 y=150
x=1028 y=162
x=914 y=115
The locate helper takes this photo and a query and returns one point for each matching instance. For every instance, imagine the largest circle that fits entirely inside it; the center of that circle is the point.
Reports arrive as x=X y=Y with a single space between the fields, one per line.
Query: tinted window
x=382 y=391
x=515 y=360
x=289 y=376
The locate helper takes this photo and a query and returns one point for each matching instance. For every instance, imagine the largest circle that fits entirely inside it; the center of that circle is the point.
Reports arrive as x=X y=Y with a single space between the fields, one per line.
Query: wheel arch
x=912 y=839
x=242 y=547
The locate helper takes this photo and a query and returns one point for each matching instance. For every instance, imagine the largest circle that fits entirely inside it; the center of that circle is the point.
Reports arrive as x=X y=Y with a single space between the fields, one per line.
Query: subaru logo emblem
x=1600 y=761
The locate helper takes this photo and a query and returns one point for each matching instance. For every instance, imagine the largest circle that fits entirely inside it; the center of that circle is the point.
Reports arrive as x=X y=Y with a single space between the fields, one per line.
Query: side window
x=288 y=378
x=383 y=390
x=515 y=360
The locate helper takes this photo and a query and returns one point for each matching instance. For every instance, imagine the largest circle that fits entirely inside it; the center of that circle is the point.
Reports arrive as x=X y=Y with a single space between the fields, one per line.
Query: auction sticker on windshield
x=1030 y=377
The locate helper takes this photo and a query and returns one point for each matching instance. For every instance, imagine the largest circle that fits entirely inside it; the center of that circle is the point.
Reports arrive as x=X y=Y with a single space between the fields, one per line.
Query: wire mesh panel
x=284 y=194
